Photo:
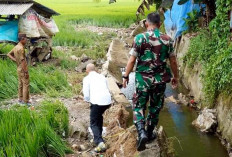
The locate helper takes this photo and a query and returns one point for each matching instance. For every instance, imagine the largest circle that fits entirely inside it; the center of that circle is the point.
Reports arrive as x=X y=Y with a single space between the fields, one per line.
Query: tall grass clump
x=106 y=21
x=64 y=60
x=70 y=37
x=29 y=133
x=57 y=116
x=5 y=48
x=42 y=79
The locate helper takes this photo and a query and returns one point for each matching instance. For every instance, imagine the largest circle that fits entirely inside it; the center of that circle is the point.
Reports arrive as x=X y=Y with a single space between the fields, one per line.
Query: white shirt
x=95 y=89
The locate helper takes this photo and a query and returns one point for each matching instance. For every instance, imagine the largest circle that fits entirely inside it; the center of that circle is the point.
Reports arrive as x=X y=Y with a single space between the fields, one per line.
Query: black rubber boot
x=142 y=136
x=150 y=134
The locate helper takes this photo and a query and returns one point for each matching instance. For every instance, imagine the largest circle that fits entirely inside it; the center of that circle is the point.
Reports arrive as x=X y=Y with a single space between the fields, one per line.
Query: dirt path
x=120 y=139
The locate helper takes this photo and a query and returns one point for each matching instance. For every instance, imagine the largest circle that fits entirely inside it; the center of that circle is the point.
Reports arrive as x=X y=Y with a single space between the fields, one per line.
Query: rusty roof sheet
x=14 y=9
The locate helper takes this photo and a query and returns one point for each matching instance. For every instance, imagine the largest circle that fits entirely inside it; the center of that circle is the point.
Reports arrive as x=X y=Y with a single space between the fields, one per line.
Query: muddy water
x=188 y=141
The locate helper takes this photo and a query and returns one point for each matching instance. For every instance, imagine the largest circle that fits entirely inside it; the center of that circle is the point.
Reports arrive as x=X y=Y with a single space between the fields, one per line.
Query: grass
x=88 y=12
x=51 y=78
x=37 y=133
x=30 y=133
x=63 y=60
x=57 y=116
x=43 y=79
x=120 y=14
x=5 y=48
x=216 y=65
x=95 y=51
x=76 y=81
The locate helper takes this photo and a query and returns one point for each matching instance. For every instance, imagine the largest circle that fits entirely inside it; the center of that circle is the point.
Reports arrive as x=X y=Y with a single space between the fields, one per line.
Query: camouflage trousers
x=148 y=91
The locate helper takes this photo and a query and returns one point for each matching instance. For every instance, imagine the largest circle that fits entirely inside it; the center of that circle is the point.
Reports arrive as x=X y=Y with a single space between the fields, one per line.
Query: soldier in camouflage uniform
x=151 y=49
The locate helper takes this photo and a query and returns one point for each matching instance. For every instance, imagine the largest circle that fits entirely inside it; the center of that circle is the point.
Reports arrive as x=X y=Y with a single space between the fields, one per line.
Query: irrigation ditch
x=176 y=135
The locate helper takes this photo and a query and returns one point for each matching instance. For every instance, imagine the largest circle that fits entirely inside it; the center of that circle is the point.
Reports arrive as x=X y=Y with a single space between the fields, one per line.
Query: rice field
x=39 y=133
x=92 y=12
x=89 y=12
x=33 y=133
x=43 y=79
x=51 y=79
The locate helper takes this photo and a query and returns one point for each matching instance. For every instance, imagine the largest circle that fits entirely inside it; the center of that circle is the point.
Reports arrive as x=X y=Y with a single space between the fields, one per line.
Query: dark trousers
x=96 y=121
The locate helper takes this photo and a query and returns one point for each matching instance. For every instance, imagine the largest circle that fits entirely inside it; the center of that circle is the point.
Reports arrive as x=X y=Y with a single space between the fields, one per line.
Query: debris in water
x=206 y=121
x=172 y=99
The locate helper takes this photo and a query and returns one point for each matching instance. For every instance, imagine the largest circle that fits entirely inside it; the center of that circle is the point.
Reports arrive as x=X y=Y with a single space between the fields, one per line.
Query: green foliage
x=5 y=48
x=167 y=4
x=73 y=12
x=181 y=2
x=57 y=116
x=213 y=50
x=200 y=49
x=64 y=60
x=42 y=79
x=192 y=21
x=28 y=133
x=96 y=50
x=71 y=37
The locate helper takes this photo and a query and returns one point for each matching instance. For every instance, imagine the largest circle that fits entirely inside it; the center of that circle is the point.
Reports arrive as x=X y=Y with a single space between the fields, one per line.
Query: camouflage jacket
x=152 y=49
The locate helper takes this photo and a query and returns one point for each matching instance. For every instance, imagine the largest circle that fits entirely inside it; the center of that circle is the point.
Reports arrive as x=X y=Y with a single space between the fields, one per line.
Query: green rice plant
x=30 y=133
x=64 y=60
x=87 y=12
x=70 y=37
x=95 y=52
x=5 y=48
x=76 y=80
x=57 y=116
x=42 y=79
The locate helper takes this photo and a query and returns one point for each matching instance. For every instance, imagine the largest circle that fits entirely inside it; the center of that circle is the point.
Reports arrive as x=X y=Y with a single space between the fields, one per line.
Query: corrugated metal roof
x=14 y=9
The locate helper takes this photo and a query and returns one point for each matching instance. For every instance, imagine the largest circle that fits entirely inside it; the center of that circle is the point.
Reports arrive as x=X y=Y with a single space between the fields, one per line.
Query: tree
x=210 y=6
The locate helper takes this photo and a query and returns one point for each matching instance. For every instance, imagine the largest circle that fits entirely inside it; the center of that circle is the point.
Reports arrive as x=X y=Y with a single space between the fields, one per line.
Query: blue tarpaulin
x=174 y=23
x=9 y=31
x=231 y=20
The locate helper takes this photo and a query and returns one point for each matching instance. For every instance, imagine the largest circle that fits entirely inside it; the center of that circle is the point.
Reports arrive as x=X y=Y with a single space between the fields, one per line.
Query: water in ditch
x=188 y=141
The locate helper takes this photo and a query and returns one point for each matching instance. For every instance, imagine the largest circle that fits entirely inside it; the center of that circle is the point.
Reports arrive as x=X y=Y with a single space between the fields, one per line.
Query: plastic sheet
x=230 y=19
x=9 y=31
x=35 y=25
x=174 y=23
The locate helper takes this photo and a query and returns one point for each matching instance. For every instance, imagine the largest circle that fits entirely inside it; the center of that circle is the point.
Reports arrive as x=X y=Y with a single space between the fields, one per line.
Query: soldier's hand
x=174 y=83
x=125 y=82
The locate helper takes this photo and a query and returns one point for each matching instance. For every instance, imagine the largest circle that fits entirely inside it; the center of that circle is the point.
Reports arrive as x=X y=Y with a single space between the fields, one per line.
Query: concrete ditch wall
x=192 y=81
